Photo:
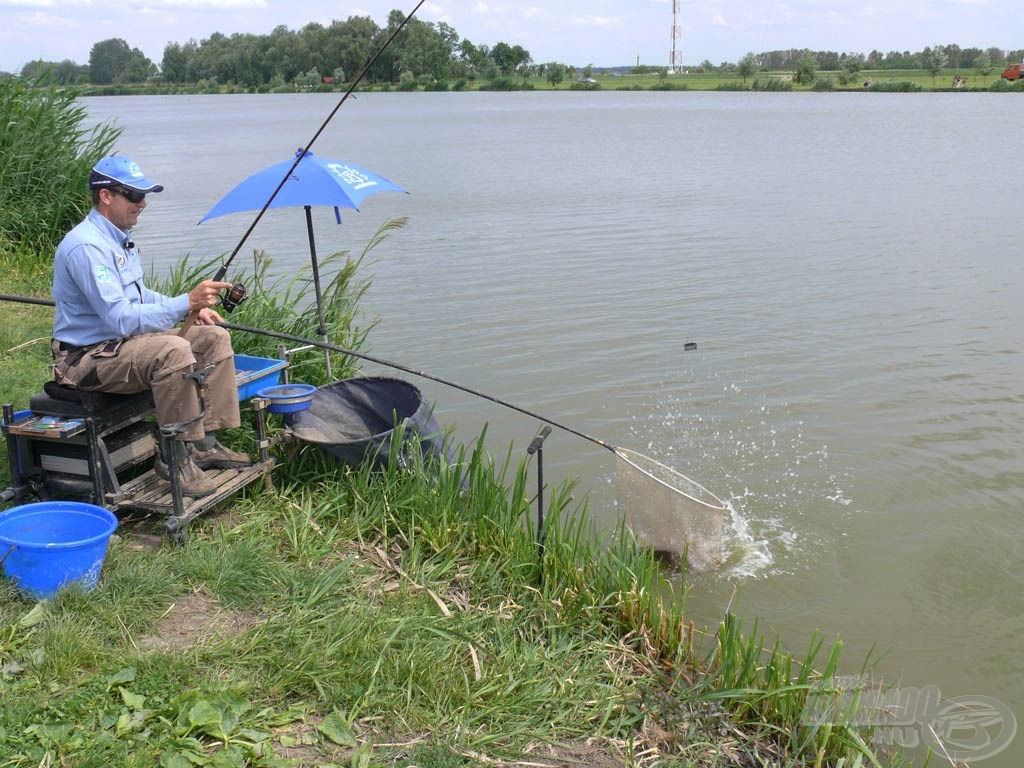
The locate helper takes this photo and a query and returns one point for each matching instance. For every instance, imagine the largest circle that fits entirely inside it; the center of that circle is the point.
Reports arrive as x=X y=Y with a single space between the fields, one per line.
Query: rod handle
x=190 y=320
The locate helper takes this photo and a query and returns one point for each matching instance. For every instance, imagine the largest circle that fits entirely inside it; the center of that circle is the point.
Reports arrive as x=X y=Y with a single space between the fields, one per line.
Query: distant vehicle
x=586 y=80
x=1013 y=72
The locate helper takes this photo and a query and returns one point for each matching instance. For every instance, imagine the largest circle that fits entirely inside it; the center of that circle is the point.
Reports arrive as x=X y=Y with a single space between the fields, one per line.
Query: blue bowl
x=288 y=398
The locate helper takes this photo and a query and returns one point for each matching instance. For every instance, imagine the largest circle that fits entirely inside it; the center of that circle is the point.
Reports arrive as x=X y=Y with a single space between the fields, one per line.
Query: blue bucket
x=46 y=545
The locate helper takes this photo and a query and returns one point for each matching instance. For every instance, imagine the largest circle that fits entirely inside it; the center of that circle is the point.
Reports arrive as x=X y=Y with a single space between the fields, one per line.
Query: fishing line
x=222 y=271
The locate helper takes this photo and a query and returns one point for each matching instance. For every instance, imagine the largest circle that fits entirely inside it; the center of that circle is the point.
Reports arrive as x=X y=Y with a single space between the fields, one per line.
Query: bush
x=667 y=86
x=896 y=86
x=45 y=157
x=771 y=84
x=1002 y=85
x=823 y=84
x=506 y=84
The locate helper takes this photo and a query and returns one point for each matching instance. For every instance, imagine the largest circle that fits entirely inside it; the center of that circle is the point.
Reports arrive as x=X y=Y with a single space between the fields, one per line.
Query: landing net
x=675 y=516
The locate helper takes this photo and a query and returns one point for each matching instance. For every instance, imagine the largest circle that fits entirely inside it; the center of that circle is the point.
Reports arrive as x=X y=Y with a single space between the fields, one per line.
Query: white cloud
x=601 y=22
x=51 y=4
x=210 y=4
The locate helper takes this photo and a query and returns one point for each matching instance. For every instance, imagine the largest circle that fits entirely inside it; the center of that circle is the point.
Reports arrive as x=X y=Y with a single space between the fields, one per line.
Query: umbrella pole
x=321 y=328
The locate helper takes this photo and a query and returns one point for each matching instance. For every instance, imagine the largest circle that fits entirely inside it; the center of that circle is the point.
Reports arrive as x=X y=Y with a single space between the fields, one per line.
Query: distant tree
x=555 y=73
x=509 y=58
x=982 y=64
x=747 y=66
x=310 y=79
x=139 y=68
x=707 y=66
x=284 y=53
x=64 y=72
x=829 y=60
x=174 y=64
x=967 y=57
x=422 y=50
x=933 y=60
x=468 y=60
x=806 y=69
x=355 y=43
x=852 y=64
x=107 y=60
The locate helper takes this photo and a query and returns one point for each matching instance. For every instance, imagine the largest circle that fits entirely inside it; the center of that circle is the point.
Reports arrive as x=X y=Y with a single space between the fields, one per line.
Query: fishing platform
x=102 y=447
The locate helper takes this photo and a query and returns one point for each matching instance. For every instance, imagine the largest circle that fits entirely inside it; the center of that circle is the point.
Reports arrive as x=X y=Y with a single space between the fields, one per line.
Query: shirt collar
x=106 y=226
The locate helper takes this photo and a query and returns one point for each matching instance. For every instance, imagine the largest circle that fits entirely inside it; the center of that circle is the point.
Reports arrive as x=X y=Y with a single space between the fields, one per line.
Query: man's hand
x=209 y=316
x=205 y=295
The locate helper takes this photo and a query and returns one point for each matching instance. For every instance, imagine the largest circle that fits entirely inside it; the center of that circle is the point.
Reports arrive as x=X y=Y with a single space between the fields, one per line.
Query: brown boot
x=218 y=457
x=192 y=480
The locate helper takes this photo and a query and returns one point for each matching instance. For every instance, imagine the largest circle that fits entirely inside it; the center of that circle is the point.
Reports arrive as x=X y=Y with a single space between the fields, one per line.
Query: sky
x=601 y=33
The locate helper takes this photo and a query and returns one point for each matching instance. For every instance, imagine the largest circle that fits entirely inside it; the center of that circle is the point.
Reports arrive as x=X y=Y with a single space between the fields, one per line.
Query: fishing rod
x=689 y=346
x=237 y=294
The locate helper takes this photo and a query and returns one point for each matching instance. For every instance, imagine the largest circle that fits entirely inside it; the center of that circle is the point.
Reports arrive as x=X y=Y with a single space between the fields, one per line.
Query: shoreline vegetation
x=365 y=618
x=869 y=81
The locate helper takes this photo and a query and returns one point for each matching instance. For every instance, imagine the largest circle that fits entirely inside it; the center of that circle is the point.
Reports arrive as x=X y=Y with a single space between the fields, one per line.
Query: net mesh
x=671 y=513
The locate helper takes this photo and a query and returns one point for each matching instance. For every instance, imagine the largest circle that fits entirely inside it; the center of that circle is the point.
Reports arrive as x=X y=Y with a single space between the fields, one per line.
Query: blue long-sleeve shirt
x=98 y=288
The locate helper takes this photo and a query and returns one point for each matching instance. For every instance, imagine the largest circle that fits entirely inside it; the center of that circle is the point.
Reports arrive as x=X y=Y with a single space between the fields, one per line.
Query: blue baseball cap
x=120 y=171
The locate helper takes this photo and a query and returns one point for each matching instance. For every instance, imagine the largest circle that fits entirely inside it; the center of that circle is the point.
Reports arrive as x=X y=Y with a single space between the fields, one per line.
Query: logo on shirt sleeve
x=102 y=273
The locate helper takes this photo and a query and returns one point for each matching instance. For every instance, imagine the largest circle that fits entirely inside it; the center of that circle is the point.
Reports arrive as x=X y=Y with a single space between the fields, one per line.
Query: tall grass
x=285 y=304
x=46 y=153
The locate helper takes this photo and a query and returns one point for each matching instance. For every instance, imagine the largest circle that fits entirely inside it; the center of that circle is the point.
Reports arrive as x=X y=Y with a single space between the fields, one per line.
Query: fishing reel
x=232 y=297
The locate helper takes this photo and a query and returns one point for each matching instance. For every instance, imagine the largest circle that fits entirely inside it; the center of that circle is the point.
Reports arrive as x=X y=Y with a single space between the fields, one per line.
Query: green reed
x=46 y=153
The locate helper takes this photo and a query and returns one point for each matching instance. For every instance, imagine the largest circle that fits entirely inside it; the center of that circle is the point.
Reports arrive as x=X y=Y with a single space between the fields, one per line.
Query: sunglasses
x=130 y=195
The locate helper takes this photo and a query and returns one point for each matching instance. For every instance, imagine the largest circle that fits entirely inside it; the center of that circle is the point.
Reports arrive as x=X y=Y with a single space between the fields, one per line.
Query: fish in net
x=673 y=515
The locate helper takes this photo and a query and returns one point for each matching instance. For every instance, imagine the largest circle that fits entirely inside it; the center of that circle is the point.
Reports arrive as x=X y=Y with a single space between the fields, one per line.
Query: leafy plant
x=46 y=153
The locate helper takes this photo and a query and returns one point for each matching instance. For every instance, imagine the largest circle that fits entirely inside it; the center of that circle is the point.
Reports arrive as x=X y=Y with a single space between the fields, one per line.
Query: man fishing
x=112 y=334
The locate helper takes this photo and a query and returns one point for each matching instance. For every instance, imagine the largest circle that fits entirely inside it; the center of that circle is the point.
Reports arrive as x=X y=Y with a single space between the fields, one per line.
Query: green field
x=710 y=81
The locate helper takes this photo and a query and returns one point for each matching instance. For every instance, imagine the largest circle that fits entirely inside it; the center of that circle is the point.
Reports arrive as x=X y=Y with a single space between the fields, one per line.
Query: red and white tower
x=675 y=63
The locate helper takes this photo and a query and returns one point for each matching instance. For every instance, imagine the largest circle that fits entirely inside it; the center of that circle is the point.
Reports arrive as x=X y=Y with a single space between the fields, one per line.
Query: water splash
x=756 y=456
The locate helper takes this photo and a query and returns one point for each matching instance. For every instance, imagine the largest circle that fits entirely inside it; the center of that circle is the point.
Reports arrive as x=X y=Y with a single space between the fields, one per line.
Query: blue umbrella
x=314 y=181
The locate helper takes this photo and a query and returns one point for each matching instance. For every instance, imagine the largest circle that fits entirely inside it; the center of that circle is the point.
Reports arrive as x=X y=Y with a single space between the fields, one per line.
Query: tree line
x=423 y=51
x=424 y=54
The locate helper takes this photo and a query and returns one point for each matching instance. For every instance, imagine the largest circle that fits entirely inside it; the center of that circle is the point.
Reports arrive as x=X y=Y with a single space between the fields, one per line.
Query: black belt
x=63 y=346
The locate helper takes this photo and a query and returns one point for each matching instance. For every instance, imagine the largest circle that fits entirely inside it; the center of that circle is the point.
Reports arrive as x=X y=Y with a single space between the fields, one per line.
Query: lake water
x=846 y=263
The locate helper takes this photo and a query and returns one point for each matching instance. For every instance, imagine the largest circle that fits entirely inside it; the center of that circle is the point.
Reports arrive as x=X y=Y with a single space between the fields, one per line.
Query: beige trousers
x=156 y=361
